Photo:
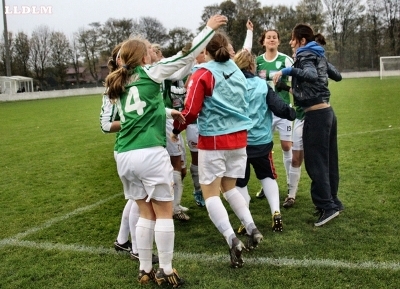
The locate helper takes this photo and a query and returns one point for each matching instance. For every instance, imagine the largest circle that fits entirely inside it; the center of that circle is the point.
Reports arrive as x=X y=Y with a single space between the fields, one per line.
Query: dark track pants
x=321 y=156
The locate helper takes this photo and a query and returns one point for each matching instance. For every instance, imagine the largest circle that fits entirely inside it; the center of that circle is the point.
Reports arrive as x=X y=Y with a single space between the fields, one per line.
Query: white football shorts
x=298 y=135
x=283 y=126
x=221 y=163
x=192 y=137
x=146 y=174
x=174 y=148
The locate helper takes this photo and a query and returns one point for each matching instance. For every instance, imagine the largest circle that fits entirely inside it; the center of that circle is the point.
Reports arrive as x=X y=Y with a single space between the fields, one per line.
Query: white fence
x=51 y=94
x=360 y=74
x=100 y=90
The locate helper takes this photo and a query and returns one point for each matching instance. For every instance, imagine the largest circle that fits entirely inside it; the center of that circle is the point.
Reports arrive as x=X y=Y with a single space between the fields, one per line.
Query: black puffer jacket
x=310 y=75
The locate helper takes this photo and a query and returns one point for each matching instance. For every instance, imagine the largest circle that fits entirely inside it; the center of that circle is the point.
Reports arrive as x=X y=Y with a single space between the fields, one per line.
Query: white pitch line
x=62 y=218
x=287 y=262
x=370 y=131
x=326 y=263
x=17 y=241
x=56 y=246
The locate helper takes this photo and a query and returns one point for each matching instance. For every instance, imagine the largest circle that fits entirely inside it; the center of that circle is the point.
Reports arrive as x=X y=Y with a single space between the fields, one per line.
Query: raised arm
x=248 y=42
x=182 y=72
x=166 y=67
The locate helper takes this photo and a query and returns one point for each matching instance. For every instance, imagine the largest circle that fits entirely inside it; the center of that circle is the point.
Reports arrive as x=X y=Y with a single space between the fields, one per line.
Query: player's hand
x=249 y=25
x=217 y=21
x=174 y=137
x=277 y=76
x=177 y=115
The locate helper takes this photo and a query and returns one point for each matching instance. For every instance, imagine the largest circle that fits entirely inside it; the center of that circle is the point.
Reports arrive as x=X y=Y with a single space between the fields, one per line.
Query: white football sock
x=219 y=217
x=287 y=161
x=178 y=190
x=294 y=178
x=245 y=193
x=271 y=192
x=133 y=219
x=240 y=207
x=145 y=240
x=164 y=236
x=123 y=233
x=194 y=171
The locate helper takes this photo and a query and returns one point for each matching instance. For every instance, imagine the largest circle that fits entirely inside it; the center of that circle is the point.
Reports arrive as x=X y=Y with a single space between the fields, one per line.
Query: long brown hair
x=305 y=31
x=218 y=47
x=320 y=39
x=131 y=53
x=112 y=63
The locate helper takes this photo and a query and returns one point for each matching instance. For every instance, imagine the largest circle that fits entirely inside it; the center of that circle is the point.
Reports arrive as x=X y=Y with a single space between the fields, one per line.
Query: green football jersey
x=142 y=112
x=266 y=70
x=299 y=112
x=141 y=107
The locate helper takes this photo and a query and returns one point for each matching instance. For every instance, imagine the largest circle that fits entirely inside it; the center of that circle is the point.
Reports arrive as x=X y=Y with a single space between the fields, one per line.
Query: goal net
x=389 y=66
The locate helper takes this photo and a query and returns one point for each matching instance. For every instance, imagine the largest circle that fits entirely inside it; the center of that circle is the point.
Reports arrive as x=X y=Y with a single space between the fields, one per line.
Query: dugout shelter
x=15 y=84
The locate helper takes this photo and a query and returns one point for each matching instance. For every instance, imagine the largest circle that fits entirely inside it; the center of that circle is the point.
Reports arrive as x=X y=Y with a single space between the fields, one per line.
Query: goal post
x=389 y=66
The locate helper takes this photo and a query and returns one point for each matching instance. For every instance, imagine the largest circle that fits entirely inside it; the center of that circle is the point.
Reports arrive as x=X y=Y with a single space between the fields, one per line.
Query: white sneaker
x=183 y=209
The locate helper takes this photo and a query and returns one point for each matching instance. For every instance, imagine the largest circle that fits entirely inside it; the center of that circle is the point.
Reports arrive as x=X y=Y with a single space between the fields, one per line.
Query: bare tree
x=228 y=9
x=245 y=9
x=311 y=12
x=91 y=44
x=178 y=38
x=152 y=29
x=74 y=57
x=237 y=12
x=59 y=56
x=115 y=31
x=209 y=11
x=332 y=7
x=4 y=53
x=373 y=31
x=343 y=16
x=267 y=17
x=259 y=24
x=284 y=21
x=21 y=51
x=40 y=51
x=391 y=9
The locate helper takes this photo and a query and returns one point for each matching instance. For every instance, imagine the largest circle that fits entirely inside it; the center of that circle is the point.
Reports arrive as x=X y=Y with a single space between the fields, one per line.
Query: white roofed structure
x=15 y=84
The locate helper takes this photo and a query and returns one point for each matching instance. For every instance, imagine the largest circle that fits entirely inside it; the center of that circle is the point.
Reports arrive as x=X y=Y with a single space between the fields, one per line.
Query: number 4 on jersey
x=133 y=102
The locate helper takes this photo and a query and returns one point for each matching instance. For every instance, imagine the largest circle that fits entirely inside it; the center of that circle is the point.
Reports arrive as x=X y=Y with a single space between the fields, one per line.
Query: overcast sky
x=69 y=15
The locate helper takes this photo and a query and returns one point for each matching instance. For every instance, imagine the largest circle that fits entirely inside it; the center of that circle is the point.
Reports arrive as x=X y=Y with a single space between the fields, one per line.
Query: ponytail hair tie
x=125 y=66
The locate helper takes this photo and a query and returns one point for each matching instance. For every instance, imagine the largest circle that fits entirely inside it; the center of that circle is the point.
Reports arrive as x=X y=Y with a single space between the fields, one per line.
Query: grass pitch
x=61 y=202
